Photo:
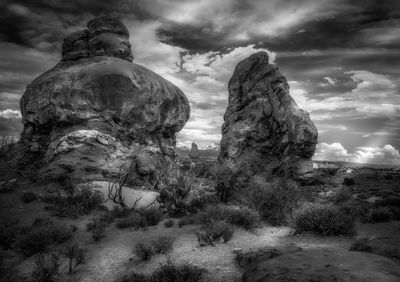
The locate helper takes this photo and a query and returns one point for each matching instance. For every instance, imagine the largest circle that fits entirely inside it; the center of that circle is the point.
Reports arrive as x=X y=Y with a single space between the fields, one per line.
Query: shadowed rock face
x=95 y=110
x=264 y=129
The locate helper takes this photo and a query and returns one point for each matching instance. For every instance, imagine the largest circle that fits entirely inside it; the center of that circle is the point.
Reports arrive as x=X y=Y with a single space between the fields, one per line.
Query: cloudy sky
x=341 y=59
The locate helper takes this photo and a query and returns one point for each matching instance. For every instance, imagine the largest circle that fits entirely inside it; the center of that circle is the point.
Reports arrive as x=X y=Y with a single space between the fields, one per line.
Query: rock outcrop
x=194 y=151
x=96 y=111
x=324 y=265
x=264 y=129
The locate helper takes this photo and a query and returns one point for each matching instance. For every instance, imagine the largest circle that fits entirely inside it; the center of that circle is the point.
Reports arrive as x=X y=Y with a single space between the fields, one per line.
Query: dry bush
x=275 y=201
x=168 y=272
x=46 y=268
x=211 y=233
x=324 y=220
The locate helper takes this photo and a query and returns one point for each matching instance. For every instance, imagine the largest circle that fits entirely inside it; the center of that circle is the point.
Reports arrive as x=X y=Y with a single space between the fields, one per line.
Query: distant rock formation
x=95 y=111
x=264 y=129
x=194 y=151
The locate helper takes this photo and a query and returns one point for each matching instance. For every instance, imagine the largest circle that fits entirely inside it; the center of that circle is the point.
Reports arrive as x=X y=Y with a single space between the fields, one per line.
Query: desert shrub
x=98 y=228
x=83 y=200
x=144 y=250
x=169 y=223
x=342 y=195
x=211 y=233
x=348 y=181
x=168 y=272
x=388 y=176
x=172 y=196
x=134 y=220
x=242 y=217
x=324 y=220
x=41 y=235
x=275 y=201
x=74 y=253
x=28 y=197
x=187 y=220
x=8 y=271
x=381 y=214
x=9 y=234
x=163 y=244
x=152 y=215
x=388 y=202
x=46 y=268
x=118 y=212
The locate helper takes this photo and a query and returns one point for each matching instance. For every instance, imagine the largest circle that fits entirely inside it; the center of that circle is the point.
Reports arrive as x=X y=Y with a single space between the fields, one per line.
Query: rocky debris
x=194 y=151
x=251 y=257
x=95 y=111
x=386 y=246
x=264 y=129
x=324 y=265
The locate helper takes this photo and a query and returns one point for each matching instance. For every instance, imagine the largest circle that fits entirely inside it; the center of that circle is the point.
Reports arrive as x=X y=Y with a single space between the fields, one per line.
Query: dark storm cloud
x=42 y=24
x=334 y=24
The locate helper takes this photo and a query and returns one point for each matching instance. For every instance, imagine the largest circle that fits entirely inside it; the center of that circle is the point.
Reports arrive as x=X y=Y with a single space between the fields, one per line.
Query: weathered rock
x=386 y=246
x=324 y=265
x=105 y=36
x=264 y=128
x=95 y=111
x=194 y=151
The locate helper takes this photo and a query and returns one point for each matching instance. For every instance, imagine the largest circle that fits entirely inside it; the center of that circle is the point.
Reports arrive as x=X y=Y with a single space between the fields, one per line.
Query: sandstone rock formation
x=264 y=129
x=96 y=111
x=194 y=151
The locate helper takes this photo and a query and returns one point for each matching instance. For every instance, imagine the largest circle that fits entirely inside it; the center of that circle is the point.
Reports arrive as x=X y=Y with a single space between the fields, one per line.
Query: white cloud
x=10 y=114
x=374 y=96
x=367 y=155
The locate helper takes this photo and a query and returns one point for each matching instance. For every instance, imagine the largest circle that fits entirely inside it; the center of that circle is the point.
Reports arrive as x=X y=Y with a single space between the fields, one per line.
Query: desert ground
x=373 y=200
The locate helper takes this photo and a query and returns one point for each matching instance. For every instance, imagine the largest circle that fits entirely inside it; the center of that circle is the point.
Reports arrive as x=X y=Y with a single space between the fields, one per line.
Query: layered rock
x=264 y=129
x=95 y=111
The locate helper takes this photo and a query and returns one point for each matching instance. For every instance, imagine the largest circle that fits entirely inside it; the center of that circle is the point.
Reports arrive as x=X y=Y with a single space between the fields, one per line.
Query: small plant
x=275 y=201
x=211 y=233
x=28 y=197
x=83 y=200
x=324 y=220
x=42 y=234
x=348 y=181
x=169 y=223
x=98 y=228
x=163 y=244
x=144 y=250
x=381 y=214
x=74 y=252
x=134 y=220
x=168 y=272
x=242 y=217
x=342 y=196
x=152 y=215
x=186 y=220
x=46 y=269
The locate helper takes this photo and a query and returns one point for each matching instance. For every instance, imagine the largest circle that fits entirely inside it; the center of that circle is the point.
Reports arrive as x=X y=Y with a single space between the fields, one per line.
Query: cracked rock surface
x=264 y=129
x=96 y=111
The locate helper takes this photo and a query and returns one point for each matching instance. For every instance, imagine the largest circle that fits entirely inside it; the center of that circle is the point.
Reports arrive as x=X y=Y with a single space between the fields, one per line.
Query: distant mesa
x=96 y=111
x=264 y=129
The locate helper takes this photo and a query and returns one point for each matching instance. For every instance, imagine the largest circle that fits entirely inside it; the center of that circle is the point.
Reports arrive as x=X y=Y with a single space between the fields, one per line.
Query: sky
x=341 y=59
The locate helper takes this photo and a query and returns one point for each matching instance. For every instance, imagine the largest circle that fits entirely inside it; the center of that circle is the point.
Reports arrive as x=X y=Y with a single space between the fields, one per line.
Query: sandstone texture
x=96 y=111
x=324 y=265
x=264 y=129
